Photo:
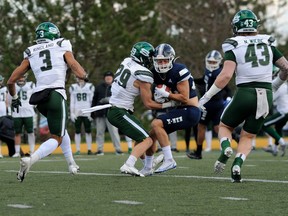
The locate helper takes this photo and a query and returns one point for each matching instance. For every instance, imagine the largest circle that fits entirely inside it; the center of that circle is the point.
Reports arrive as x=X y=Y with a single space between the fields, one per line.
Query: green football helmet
x=46 y=32
x=245 y=21
x=142 y=52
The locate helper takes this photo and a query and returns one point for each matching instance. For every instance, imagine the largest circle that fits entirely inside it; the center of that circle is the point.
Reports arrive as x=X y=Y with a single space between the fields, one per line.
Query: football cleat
x=167 y=165
x=219 y=167
x=156 y=161
x=147 y=172
x=25 y=165
x=236 y=174
x=130 y=170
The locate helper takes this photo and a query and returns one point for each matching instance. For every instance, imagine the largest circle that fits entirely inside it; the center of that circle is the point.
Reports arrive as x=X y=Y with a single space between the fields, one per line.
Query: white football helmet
x=163 y=58
x=213 y=60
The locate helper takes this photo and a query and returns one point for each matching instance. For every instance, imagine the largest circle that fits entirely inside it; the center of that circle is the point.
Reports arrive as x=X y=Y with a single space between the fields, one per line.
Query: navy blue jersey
x=209 y=79
x=176 y=74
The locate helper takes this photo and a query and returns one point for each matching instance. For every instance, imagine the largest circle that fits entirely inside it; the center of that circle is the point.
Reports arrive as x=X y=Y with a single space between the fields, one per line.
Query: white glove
x=73 y=117
x=90 y=118
x=171 y=103
x=203 y=100
x=162 y=92
x=158 y=98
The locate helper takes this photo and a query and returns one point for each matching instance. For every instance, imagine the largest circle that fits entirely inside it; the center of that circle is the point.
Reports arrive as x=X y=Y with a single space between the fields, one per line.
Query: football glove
x=15 y=104
x=162 y=92
x=203 y=100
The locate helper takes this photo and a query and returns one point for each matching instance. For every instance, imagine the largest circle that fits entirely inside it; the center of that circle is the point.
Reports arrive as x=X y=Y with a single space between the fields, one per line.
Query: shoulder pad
x=144 y=75
x=27 y=52
x=271 y=40
x=59 y=43
x=231 y=42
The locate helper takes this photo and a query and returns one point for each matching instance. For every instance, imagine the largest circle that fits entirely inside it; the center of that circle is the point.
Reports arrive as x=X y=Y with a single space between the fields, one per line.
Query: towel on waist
x=262 y=103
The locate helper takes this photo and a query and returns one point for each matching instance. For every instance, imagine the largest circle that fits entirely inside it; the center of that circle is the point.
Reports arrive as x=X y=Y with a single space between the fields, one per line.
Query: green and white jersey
x=3 y=98
x=24 y=93
x=123 y=90
x=48 y=65
x=81 y=97
x=253 y=56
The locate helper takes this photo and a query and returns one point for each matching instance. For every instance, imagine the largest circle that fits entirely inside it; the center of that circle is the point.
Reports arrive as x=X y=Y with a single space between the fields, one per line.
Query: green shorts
x=20 y=122
x=85 y=121
x=127 y=123
x=242 y=108
x=55 y=110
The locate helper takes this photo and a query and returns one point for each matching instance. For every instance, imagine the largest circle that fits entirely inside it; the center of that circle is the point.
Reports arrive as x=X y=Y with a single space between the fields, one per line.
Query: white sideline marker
x=21 y=206
x=128 y=202
x=234 y=198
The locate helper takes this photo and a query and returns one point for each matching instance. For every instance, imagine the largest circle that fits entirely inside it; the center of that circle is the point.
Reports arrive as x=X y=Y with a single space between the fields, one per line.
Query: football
x=159 y=98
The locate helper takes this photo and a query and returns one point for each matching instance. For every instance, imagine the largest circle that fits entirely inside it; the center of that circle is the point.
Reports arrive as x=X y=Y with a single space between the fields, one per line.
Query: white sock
x=17 y=148
x=208 y=138
x=77 y=141
x=66 y=148
x=167 y=153
x=44 y=150
x=31 y=141
x=282 y=141
x=88 y=140
x=149 y=162
x=241 y=155
x=129 y=141
x=131 y=160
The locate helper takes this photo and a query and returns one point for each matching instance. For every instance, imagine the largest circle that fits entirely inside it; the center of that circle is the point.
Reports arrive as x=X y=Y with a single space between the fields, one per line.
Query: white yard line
x=159 y=175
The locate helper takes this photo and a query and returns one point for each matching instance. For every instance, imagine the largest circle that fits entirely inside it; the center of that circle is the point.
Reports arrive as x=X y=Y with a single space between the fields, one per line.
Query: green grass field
x=100 y=188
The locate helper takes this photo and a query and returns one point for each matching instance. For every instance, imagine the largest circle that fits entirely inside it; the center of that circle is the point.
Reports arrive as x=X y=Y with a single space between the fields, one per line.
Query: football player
x=179 y=79
x=3 y=104
x=215 y=107
x=133 y=78
x=24 y=118
x=250 y=56
x=49 y=60
x=81 y=94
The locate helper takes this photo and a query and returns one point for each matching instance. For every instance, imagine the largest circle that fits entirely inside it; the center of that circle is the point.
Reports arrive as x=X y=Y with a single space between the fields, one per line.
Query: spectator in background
x=7 y=133
x=81 y=95
x=3 y=104
x=24 y=118
x=101 y=96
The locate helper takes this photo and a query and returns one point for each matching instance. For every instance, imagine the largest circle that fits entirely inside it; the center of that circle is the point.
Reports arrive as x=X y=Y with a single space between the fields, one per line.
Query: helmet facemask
x=213 y=60
x=163 y=58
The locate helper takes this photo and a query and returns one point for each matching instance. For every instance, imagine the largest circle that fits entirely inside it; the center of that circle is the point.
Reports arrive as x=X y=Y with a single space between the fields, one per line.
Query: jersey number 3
x=45 y=55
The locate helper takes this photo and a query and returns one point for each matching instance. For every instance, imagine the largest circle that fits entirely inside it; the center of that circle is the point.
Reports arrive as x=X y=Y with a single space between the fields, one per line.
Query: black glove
x=15 y=104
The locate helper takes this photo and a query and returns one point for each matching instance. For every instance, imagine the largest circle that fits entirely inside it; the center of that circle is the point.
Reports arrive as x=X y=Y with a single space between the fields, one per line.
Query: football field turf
x=100 y=189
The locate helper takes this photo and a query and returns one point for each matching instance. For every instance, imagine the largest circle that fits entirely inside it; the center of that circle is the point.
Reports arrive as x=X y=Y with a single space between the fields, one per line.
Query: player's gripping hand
x=15 y=103
x=162 y=91
x=203 y=100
